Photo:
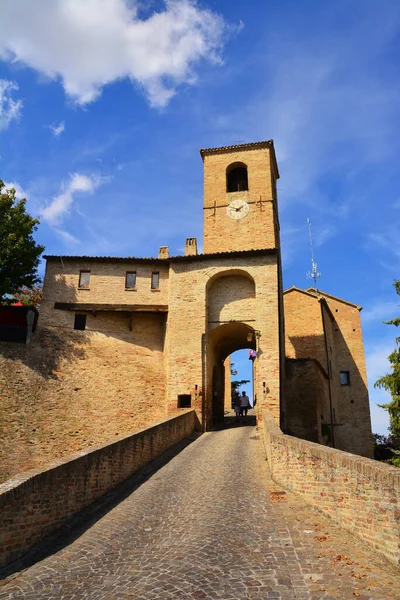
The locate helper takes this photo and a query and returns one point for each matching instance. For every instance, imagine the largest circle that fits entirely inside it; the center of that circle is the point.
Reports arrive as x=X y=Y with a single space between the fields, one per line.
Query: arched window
x=236 y=178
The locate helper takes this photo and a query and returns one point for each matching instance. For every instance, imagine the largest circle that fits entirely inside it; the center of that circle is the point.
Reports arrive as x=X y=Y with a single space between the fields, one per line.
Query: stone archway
x=231 y=321
x=222 y=341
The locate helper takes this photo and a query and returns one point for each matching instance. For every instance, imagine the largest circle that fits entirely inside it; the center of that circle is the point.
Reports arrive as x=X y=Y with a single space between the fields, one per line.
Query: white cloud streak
x=389 y=241
x=57 y=130
x=70 y=239
x=89 y=44
x=10 y=109
x=61 y=205
x=380 y=311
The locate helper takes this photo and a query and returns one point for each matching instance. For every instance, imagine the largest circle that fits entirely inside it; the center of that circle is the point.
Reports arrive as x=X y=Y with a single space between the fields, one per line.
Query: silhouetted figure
x=236 y=405
x=244 y=404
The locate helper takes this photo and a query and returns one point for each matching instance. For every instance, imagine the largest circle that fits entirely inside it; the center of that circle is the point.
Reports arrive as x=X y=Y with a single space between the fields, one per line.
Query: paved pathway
x=210 y=524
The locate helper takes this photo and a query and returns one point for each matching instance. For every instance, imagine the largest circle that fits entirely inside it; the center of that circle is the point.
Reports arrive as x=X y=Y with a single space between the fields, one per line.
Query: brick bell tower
x=240 y=202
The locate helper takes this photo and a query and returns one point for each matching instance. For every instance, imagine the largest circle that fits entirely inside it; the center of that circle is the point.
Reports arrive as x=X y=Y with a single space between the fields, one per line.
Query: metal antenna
x=313 y=274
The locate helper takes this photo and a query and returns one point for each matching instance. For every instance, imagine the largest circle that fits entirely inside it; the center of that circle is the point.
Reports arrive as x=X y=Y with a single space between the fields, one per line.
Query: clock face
x=238 y=209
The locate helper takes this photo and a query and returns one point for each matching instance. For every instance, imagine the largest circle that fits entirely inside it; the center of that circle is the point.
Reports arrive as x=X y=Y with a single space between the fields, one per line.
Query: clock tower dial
x=240 y=204
x=238 y=209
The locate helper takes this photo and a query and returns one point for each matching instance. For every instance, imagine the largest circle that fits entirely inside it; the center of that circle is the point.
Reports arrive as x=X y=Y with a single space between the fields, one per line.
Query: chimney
x=191 y=247
x=163 y=252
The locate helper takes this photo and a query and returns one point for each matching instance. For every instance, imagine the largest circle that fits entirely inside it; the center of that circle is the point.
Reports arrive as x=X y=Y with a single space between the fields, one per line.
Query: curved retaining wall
x=37 y=503
x=360 y=494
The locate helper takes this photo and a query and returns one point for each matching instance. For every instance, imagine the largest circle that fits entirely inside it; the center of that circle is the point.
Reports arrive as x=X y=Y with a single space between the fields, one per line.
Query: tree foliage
x=236 y=384
x=19 y=253
x=30 y=296
x=387 y=448
x=391 y=381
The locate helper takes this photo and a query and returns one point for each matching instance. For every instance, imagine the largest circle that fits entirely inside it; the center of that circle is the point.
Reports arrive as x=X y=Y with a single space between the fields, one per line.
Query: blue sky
x=105 y=103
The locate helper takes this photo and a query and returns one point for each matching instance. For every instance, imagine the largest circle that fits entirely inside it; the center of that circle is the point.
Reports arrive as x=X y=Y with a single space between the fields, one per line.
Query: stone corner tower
x=240 y=200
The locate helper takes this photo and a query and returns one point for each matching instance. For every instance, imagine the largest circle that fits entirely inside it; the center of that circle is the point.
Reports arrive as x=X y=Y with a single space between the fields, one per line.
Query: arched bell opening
x=222 y=342
x=236 y=178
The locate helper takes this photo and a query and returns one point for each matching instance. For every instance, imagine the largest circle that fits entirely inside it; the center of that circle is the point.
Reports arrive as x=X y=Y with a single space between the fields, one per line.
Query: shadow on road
x=76 y=525
x=230 y=420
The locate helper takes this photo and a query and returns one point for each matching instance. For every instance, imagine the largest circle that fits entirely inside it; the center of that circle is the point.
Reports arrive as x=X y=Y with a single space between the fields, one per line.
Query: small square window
x=130 y=280
x=344 y=378
x=155 y=280
x=80 y=322
x=184 y=401
x=84 y=279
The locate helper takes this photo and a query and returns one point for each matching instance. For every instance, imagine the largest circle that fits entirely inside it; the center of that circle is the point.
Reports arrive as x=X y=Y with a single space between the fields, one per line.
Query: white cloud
x=323 y=234
x=380 y=311
x=389 y=240
x=20 y=192
x=57 y=130
x=327 y=102
x=61 y=204
x=10 y=109
x=70 y=239
x=92 y=43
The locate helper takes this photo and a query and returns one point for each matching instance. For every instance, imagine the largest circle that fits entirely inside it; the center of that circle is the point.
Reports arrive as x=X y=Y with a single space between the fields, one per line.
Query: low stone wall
x=37 y=503
x=360 y=494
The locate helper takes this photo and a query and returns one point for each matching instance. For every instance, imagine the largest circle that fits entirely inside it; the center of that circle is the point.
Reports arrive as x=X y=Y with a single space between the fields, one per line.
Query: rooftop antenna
x=313 y=274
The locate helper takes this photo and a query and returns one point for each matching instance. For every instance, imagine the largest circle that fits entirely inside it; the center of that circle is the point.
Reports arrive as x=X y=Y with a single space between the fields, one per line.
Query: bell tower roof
x=238 y=147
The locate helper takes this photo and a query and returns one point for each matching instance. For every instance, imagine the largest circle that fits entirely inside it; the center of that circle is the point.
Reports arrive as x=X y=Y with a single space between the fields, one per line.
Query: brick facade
x=323 y=335
x=155 y=334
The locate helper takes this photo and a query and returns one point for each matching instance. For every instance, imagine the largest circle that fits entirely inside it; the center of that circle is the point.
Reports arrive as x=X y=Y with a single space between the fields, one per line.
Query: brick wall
x=36 y=504
x=200 y=295
x=360 y=494
x=351 y=401
x=306 y=403
x=259 y=228
x=69 y=390
x=326 y=329
x=107 y=282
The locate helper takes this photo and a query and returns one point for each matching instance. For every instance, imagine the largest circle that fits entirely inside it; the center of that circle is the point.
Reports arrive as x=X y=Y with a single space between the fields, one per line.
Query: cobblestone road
x=210 y=524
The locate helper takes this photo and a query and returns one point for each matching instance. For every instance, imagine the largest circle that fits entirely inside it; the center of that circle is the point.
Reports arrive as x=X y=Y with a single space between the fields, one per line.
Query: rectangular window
x=130 y=280
x=80 y=322
x=155 y=280
x=344 y=378
x=184 y=400
x=84 y=279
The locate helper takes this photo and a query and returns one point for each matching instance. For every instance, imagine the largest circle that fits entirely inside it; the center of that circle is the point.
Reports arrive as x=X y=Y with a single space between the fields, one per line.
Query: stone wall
x=361 y=495
x=259 y=229
x=208 y=295
x=107 y=281
x=34 y=505
x=305 y=404
x=327 y=330
x=69 y=390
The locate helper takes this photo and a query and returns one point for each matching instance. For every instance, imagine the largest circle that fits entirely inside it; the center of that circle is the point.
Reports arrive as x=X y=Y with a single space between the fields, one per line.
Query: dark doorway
x=236 y=178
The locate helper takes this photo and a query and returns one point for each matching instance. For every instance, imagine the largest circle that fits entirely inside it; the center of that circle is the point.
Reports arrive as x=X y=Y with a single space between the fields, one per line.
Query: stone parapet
x=36 y=503
x=360 y=494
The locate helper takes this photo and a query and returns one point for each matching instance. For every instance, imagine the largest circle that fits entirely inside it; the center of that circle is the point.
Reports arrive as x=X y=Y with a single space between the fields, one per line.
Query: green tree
x=391 y=381
x=236 y=384
x=19 y=253
x=30 y=296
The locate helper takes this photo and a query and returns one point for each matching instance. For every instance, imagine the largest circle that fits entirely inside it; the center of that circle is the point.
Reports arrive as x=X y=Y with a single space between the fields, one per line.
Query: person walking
x=244 y=404
x=236 y=404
